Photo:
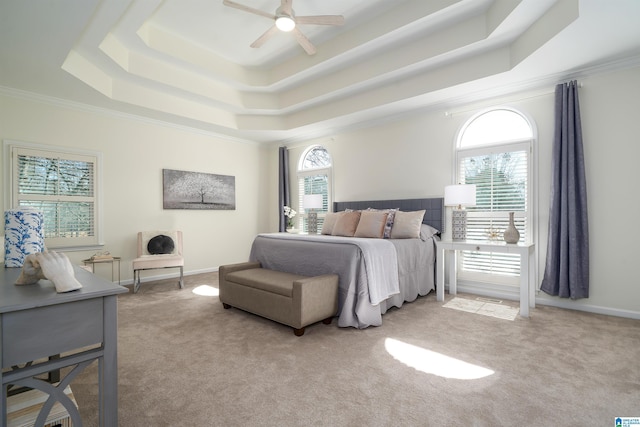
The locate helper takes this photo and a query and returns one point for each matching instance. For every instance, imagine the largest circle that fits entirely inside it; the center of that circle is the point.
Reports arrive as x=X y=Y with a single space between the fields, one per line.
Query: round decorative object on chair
x=160 y=244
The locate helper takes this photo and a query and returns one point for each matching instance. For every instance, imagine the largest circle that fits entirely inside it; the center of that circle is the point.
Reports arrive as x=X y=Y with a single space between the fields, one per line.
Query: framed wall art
x=197 y=190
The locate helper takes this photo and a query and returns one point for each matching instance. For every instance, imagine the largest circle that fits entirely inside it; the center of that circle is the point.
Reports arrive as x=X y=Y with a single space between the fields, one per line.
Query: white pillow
x=406 y=225
x=329 y=222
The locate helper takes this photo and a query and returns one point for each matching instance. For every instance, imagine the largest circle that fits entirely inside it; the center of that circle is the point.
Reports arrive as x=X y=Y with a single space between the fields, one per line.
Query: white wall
x=134 y=154
x=413 y=157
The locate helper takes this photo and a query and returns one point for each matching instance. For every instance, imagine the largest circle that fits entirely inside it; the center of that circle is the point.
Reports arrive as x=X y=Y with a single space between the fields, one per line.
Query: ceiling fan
x=286 y=20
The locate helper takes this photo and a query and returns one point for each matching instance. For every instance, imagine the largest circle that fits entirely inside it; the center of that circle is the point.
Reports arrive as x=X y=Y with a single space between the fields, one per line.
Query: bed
x=375 y=274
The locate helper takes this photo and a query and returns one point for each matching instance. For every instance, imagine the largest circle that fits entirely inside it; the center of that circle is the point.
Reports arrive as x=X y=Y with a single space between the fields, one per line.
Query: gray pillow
x=427 y=232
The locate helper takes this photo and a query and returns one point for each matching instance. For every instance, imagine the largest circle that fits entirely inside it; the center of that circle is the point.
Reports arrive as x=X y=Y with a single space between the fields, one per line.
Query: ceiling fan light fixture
x=285 y=23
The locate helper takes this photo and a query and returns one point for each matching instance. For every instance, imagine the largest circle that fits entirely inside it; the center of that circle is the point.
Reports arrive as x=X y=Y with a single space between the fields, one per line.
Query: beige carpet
x=185 y=361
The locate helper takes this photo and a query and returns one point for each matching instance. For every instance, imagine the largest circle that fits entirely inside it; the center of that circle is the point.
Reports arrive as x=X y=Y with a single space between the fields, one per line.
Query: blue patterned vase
x=23 y=235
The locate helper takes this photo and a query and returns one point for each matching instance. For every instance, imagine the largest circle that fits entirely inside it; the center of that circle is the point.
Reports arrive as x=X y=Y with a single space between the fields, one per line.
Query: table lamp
x=311 y=202
x=459 y=196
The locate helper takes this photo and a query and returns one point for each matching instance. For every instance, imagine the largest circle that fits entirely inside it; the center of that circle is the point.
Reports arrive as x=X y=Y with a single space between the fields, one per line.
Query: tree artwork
x=196 y=190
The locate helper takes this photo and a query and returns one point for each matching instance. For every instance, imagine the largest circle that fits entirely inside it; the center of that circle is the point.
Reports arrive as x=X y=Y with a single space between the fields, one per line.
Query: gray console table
x=37 y=323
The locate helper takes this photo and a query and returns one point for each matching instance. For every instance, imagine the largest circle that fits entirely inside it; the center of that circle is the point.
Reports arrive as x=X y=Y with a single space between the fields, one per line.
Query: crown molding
x=107 y=112
x=521 y=90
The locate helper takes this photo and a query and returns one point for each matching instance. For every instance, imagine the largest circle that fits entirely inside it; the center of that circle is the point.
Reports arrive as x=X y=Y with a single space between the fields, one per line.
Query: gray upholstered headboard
x=434 y=207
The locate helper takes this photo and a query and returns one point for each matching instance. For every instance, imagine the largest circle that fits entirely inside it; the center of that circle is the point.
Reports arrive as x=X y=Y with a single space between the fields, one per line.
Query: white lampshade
x=460 y=195
x=312 y=201
x=285 y=23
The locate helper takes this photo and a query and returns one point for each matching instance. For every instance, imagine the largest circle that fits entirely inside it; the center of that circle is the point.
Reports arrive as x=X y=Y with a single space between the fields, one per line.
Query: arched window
x=494 y=151
x=314 y=177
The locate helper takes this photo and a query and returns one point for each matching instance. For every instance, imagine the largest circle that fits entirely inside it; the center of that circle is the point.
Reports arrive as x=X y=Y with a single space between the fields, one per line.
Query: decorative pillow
x=391 y=214
x=371 y=224
x=406 y=225
x=160 y=244
x=346 y=224
x=389 y=224
x=427 y=232
x=330 y=221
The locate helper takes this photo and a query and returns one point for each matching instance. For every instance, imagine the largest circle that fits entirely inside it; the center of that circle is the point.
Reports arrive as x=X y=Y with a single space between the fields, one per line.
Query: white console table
x=527 y=266
x=43 y=331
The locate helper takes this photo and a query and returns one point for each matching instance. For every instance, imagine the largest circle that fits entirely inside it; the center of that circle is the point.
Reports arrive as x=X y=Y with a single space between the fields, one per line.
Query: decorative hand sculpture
x=53 y=266
x=31 y=271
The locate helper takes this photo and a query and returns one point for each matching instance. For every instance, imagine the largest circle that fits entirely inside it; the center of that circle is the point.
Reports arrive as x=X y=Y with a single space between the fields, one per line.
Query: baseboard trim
x=174 y=275
x=512 y=293
x=596 y=309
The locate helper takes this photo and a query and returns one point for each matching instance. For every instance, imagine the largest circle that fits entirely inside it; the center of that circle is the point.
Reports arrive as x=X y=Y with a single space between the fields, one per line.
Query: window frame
x=302 y=173
x=528 y=144
x=12 y=198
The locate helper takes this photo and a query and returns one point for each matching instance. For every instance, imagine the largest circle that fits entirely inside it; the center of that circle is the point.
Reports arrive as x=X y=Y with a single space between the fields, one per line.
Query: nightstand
x=527 y=266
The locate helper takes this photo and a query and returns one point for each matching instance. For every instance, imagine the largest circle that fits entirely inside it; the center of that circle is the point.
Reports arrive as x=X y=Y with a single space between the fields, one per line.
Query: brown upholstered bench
x=290 y=299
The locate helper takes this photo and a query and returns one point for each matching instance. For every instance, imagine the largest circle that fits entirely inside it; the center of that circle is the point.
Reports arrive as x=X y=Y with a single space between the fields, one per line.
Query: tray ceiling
x=188 y=62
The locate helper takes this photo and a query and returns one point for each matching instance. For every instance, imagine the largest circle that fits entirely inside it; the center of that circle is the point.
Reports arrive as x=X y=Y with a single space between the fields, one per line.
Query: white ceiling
x=188 y=62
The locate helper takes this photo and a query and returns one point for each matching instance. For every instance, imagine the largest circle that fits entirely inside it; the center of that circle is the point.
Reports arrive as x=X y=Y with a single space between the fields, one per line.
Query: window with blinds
x=63 y=186
x=494 y=153
x=314 y=177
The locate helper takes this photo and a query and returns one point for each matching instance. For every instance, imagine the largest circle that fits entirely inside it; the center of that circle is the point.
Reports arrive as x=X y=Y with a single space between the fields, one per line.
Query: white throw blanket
x=380 y=258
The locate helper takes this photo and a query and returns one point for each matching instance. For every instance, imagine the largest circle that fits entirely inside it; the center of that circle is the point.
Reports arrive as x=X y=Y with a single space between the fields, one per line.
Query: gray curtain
x=284 y=198
x=567 y=266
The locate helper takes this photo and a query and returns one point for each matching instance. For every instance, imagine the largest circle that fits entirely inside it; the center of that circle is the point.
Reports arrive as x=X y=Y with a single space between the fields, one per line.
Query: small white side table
x=527 y=266
x=111 y=261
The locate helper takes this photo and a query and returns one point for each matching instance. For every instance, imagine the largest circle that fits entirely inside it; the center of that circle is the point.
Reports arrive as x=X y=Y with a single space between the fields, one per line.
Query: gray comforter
x=375 y=274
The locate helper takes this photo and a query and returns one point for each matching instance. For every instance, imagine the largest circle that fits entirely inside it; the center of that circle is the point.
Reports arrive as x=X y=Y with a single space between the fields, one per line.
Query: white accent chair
x=163 y=256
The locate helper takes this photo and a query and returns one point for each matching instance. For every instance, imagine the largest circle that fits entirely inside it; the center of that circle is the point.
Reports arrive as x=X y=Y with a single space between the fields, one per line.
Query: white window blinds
x=313 y=184
x=314 y=177
x=501 y=179
x=63 y=187
x=494 y=153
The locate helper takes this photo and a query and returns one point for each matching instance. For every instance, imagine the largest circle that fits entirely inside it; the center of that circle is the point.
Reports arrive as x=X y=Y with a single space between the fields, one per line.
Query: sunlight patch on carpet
x=484 y=307
x=431 y=362
x=206 y=291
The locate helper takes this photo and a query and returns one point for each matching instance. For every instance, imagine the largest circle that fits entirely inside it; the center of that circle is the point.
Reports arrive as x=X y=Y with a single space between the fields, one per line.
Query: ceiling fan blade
x=266 y=36
x=304 y=41
x=248 y=9
x=285 y=6
x=320 y=20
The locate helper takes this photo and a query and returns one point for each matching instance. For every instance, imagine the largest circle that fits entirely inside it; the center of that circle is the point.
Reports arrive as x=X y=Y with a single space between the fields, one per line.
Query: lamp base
x=312 y=223
x=459 y=224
